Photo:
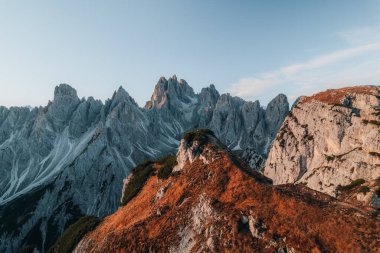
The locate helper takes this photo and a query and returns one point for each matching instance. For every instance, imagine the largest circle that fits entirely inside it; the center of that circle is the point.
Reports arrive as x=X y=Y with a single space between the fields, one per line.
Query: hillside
x=213 y=202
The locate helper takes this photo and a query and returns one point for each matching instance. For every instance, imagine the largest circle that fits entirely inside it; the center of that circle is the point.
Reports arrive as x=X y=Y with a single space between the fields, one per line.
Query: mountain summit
x=171 y=93
x=65 y=90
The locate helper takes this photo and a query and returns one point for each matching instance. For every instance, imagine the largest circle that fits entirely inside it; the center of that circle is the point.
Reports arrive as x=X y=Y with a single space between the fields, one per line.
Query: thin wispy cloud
x=361 y=35
x=328 y=70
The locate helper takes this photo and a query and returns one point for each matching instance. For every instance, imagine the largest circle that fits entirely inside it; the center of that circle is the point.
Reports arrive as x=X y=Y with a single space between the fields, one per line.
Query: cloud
x=361 y=35
x=329 y=70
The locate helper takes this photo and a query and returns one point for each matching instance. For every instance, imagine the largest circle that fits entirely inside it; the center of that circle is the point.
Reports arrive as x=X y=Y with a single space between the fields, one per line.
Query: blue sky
x=254 y=49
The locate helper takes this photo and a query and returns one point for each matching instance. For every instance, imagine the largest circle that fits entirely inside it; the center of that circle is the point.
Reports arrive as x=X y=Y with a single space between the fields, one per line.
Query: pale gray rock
x=324 y=144
x=62 y=107
x=275 y=113
x=208 y=97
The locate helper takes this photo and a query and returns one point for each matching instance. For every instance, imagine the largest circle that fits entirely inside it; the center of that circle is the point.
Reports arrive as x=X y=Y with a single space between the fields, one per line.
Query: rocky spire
x=121 y=95
x=276 y=112
x=209 y=96
x=171 y=92
x=64 y=90
x=62 y=107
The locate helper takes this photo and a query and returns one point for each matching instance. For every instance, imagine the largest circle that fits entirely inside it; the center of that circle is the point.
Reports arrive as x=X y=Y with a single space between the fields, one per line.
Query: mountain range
x=319 y=190
x=69 y=158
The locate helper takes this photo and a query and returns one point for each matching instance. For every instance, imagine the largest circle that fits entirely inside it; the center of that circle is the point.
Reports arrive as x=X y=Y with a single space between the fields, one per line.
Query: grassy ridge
x=73 y=234
x=140 y=174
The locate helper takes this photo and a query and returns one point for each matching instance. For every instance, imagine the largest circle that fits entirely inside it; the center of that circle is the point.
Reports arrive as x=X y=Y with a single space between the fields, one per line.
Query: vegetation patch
x=167 y=163
x=373 y=122
x=73 y=234
x=375 y=213
x=364 y=189
x=352 y=185
x=140 y=175
x=198 y=135
x=329 y=158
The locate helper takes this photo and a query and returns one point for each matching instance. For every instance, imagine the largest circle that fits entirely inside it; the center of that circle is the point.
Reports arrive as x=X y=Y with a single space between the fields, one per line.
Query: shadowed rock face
x=213 y=202
x=329 y=139
x=70 y=157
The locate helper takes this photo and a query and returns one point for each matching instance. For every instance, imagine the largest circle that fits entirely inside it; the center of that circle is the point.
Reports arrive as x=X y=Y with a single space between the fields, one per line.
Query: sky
x=252 y=49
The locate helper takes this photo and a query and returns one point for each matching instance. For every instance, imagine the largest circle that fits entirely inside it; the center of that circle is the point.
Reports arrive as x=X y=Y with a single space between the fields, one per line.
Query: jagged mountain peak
x=275 y=111
x=162 y=79
x=280 y=98
x=120 y=96
x=170 y=92
x=174 y=77
x=278 y=102
x=228 y=99
x=63 y=90
x=209 y=94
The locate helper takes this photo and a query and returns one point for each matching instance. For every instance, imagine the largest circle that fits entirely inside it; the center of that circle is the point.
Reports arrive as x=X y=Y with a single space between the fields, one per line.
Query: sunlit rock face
x=69 y=158
x=330 y=139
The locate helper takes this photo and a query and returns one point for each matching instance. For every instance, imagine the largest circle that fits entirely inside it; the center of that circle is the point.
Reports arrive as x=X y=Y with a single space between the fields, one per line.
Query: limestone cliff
x=330 y=140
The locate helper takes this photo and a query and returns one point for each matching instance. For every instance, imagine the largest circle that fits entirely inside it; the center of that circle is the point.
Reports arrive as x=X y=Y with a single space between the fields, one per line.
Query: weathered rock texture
x=213 y=202
x=330 y=139
x=69 y=158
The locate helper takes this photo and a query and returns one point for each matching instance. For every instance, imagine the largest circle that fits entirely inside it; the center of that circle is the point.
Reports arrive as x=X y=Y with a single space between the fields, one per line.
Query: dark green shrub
x=175 y=174
x=167 y=163
x=364 y=189
x=352 y=185
x=73 y=234
x=170 y=161
x=140 y=174
x=375 y=213
x=198 y=135
x=164 y=172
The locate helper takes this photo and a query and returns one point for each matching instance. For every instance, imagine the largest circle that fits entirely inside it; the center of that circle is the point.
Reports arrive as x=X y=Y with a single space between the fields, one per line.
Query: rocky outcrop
x=329 y=140
x=215 y=203
x=50 y=154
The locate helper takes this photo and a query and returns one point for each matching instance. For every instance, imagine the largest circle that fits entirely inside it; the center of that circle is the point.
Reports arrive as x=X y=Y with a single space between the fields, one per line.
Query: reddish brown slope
x=219 y=207
x=336 y=96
